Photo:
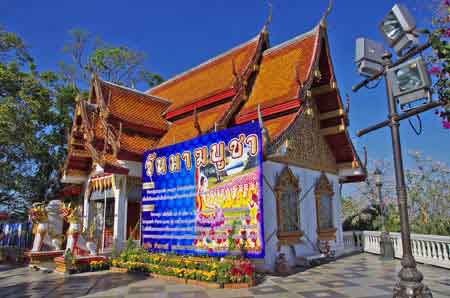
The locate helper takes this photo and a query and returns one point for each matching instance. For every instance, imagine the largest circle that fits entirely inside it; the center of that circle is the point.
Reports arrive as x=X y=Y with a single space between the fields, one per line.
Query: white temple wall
x=308 y=222
x=120 y=210
x=134 y=167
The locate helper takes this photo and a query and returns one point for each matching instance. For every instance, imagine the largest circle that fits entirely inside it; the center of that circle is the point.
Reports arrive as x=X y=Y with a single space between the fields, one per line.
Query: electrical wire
x=374 y=86
x=419 y=131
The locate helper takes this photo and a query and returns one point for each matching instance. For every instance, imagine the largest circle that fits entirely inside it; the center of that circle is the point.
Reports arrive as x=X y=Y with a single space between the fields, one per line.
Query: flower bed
x=71 y=264
x=204 y=271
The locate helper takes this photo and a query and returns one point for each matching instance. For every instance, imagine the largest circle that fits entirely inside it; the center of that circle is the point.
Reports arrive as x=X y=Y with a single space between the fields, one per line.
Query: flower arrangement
x=98 y=265
x=205 y=269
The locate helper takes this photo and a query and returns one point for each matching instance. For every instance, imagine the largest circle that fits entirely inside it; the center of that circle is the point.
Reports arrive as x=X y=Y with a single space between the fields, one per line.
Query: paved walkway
x=361 y=275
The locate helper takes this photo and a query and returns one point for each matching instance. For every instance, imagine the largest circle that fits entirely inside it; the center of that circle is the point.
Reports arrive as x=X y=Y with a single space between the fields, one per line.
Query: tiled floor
x=361 y=275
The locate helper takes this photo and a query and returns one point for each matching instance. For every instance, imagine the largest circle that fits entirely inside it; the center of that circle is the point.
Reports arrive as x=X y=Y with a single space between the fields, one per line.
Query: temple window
x=287 y=192
x=324 y=208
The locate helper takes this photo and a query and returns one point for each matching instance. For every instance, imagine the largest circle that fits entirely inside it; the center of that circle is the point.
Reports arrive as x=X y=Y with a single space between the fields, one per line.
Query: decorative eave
x=200 y=104
x=302 y=87
x=78 y=160
x=242 y=80
x=270 y=111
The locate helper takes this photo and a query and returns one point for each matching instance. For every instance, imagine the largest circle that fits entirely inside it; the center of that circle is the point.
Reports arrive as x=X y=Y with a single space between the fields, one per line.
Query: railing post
x=446 y=258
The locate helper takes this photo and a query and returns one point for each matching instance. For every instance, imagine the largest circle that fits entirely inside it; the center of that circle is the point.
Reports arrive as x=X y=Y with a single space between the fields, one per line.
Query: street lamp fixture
x=369 y=56
x=410 y=82
x=378 y=177
x=397 y=28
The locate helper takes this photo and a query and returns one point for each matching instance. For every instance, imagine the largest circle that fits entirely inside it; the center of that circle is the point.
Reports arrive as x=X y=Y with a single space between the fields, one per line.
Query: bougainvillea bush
x=439 y=58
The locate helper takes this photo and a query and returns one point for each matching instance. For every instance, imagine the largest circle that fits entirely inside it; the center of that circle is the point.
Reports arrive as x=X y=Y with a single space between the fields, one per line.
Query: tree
x=118 y=64
x=34 y=109
x=429 y=195
x=428 y=186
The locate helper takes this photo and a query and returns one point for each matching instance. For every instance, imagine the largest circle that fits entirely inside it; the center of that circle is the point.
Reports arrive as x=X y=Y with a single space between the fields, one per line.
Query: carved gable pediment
x=304 y=146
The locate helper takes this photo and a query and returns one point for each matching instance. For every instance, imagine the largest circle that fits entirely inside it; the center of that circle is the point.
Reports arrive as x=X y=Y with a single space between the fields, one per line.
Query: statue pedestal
x=79 y=260
x=37 y=257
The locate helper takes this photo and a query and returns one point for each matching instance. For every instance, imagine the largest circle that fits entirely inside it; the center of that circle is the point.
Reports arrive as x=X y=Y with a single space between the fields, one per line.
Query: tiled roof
x=280 y=69
x=135 y=107
x=208 y=79
x=184 y=129
x=277 y=126
x=133 y=143
x=136 y=143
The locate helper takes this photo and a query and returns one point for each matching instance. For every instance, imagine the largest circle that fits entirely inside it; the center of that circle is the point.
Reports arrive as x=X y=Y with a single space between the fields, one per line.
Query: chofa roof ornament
x=269 y=17
x=323 y=21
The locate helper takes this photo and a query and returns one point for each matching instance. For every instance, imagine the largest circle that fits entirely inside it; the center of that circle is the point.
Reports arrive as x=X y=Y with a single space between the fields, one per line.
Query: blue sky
x=177 y=35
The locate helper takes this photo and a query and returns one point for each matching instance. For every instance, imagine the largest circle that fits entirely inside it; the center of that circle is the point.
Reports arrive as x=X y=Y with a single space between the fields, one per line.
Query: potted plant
x=69 y=262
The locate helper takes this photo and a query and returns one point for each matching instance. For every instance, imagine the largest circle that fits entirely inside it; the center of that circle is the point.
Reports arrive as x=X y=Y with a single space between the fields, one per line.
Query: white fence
x=427 y=249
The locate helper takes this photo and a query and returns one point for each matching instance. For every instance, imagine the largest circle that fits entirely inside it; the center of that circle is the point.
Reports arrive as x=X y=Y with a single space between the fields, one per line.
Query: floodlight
x=368 y=56
x=410 y=81
x=397 y=27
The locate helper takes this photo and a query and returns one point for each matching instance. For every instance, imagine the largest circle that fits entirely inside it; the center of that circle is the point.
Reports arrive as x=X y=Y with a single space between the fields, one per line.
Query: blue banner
x=15 y=234
x=204 y=196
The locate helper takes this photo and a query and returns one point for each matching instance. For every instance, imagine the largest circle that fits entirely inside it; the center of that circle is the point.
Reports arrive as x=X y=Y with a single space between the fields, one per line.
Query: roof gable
x=133 y=106
x=283 y=70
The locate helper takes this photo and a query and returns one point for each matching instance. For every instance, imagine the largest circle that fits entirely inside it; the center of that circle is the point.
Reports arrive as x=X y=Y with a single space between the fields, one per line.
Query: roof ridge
x=290 y=41
x=206 y=62
x=153 y=97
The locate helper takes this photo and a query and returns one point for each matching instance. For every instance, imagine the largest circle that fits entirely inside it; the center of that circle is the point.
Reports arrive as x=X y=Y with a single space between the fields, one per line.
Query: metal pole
x=410 y=284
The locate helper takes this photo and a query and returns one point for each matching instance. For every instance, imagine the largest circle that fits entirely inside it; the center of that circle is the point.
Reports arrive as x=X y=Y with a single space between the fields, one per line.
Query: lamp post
x=386 y=245
x=378 y=183
x=407 y=83
x=410 y=284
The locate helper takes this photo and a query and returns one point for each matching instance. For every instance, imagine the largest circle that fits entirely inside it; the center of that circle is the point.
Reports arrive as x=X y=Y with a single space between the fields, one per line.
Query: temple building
x=289 y=88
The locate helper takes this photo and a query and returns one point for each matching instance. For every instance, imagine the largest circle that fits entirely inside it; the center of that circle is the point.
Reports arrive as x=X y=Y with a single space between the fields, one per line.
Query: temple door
x=109 y=224
x=133 y=216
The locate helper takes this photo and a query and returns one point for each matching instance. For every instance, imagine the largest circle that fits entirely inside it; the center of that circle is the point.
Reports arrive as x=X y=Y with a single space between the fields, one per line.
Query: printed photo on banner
x=204 y=196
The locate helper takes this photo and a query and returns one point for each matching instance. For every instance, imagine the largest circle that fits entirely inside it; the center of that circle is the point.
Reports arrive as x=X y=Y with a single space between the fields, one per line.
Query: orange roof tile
x=184 y=129
x=277 y=126
x=136 y=143
x=134 y=106
x=280 y=66
x=207 y=79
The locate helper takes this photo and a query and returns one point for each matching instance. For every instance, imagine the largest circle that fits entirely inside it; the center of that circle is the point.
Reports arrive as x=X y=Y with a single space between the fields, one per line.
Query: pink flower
x=210 y=250
x=446 y=124
x=447 y=32
x=446 y=3
x=435 y=69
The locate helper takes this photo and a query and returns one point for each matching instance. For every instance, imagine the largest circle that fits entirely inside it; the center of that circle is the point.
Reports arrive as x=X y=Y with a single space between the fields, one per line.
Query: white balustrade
x=353 y=241
x=427 y=249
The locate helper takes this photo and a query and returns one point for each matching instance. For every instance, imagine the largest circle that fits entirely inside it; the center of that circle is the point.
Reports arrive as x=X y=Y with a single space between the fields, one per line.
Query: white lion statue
x=48 y=236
